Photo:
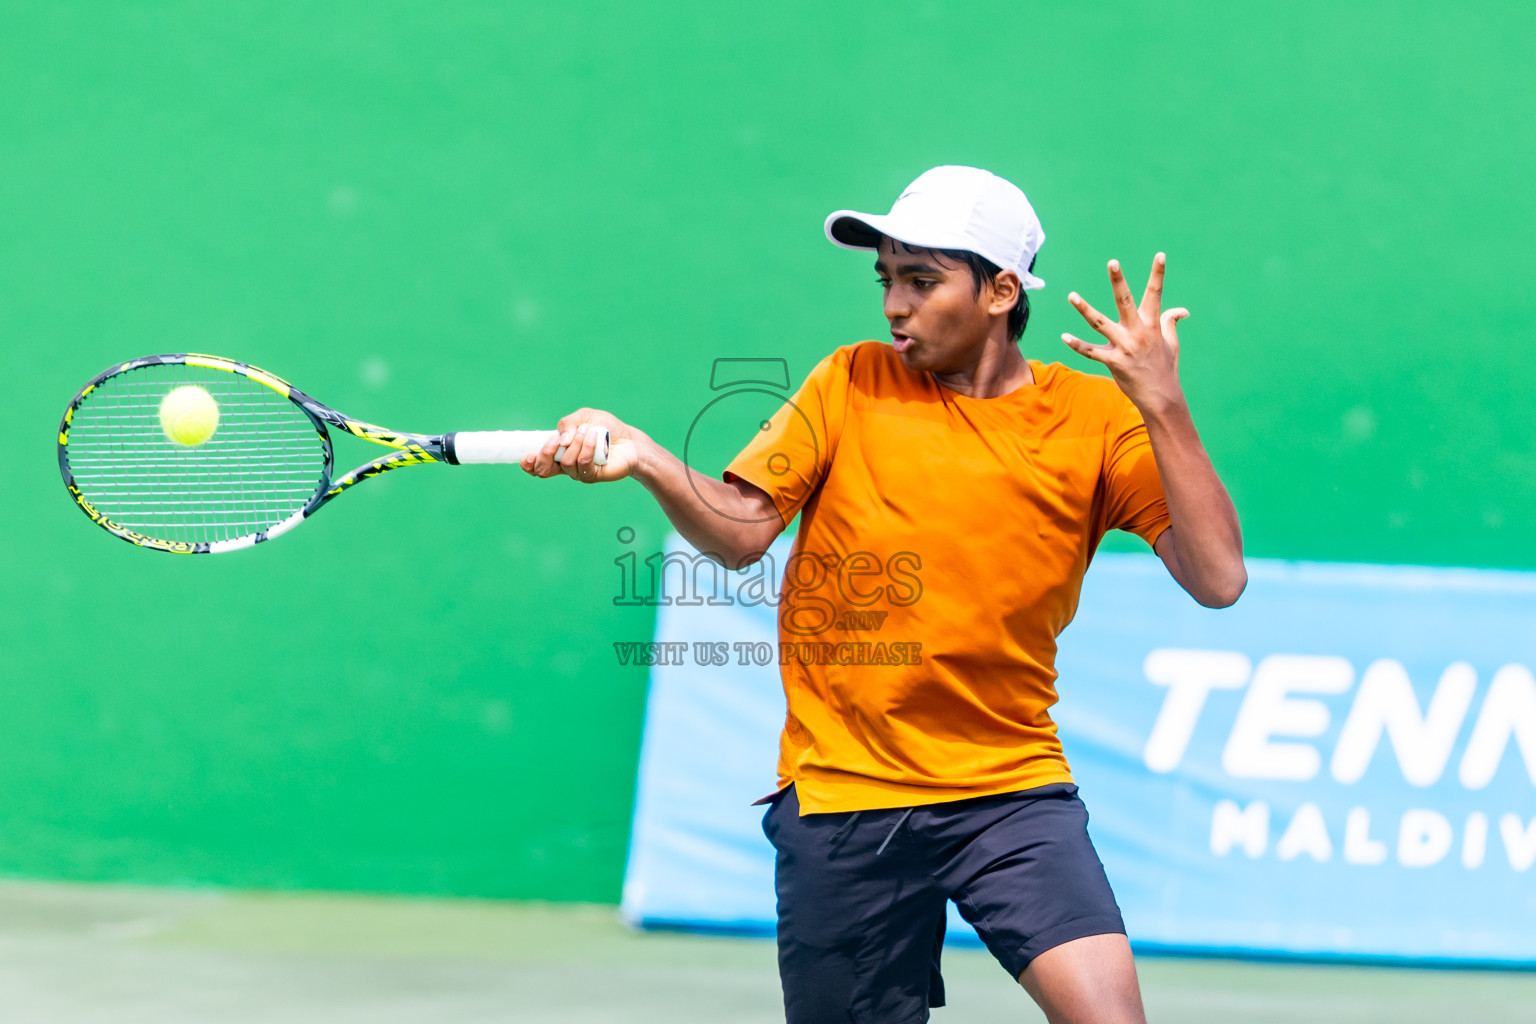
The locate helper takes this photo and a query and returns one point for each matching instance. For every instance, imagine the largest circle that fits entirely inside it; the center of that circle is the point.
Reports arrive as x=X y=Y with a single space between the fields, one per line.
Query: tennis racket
x=264 y=468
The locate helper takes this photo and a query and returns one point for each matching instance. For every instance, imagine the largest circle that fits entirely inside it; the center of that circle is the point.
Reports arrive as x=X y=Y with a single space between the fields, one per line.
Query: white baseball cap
x=953 y=208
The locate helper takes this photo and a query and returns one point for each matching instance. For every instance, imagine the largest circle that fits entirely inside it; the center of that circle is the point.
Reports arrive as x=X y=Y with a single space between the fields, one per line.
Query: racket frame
x=408 y=450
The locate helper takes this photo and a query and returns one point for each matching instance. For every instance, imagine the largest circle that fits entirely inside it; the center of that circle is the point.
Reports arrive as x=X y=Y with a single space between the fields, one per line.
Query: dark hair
x=984 y=271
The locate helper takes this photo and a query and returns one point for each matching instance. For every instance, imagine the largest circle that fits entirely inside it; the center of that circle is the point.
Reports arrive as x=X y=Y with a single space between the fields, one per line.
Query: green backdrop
x=482 y=214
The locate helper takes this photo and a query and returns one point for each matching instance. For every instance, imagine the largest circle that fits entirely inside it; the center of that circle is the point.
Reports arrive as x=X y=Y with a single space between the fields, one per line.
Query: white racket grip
x=481 y=447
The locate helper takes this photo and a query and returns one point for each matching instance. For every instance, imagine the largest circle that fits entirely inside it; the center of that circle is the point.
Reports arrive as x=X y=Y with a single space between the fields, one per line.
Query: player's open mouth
x=900 y=342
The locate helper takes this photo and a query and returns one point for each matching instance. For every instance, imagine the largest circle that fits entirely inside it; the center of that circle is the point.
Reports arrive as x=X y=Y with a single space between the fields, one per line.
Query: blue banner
x=1342 y=765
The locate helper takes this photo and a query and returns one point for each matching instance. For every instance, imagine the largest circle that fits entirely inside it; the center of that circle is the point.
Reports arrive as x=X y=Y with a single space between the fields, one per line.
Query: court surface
x=96 y=953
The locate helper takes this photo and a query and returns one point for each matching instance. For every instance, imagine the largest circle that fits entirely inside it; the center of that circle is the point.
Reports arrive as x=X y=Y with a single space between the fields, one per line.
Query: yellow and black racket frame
x=409 y=450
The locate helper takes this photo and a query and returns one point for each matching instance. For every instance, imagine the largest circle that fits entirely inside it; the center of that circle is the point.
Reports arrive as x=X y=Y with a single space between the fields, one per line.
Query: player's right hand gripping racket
x=241 y=458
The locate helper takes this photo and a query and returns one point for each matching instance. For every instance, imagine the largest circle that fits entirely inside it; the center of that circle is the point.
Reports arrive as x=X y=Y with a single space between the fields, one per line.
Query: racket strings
x=263 y=463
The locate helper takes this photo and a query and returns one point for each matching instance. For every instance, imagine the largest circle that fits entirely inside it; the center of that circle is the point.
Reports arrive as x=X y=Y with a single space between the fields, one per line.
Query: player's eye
x=924 y=282
x=883 y=282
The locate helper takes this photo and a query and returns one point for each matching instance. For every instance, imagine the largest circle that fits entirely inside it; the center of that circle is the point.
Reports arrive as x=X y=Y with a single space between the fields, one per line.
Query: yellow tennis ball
x=189 y=415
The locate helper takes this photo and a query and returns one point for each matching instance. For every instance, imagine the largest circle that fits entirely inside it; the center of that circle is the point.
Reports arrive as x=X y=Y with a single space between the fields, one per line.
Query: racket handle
x=477 y=447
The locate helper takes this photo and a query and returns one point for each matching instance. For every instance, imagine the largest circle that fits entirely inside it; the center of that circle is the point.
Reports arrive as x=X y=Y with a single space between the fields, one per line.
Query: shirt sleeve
x=1134 y=499
x=790 y=457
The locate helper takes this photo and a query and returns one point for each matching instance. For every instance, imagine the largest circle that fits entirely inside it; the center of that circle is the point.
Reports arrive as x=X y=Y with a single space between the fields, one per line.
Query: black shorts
x=862 y=897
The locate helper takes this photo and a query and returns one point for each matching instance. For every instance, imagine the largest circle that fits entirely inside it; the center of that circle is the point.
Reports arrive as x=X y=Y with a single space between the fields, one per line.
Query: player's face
x=938 y=320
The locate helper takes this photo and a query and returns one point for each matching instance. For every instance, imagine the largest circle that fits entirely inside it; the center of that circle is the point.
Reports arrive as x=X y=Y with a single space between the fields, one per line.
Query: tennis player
x=909 y=781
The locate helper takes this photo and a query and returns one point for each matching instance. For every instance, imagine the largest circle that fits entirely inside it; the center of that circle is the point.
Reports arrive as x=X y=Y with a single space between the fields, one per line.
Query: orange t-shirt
x=942 y=545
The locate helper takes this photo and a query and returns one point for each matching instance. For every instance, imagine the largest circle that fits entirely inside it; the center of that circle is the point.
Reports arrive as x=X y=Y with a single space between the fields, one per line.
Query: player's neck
x=997 y=368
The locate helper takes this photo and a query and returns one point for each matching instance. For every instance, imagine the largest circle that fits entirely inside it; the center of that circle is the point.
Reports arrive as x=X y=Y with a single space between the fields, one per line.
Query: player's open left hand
x=1142 y=350
x=578 y=434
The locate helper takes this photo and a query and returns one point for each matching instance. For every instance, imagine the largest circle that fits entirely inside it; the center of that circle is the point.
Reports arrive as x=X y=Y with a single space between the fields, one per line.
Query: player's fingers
x=1152 y=298
x=1169 y=323
x=572 y=420
x=581 y=445
x=544 y=459
x=583 y=449
x=569 y=448
x=1124 y=304
x=547 y=460
x=594 y=454
x=1098 y=353
x=1098 y=321
x=530 y=463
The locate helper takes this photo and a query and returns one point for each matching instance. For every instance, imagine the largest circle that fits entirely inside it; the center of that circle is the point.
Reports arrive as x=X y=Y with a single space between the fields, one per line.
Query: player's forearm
x=1208 y=538
x=717 y=518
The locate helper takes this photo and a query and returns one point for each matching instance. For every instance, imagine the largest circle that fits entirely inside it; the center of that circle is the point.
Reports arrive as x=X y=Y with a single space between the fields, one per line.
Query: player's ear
x=1006 y=287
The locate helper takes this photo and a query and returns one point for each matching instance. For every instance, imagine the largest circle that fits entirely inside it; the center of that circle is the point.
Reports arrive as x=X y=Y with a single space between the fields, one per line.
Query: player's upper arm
x=760 y=523
x=1167 y=548
x=790 y=456
x=1134 y=499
